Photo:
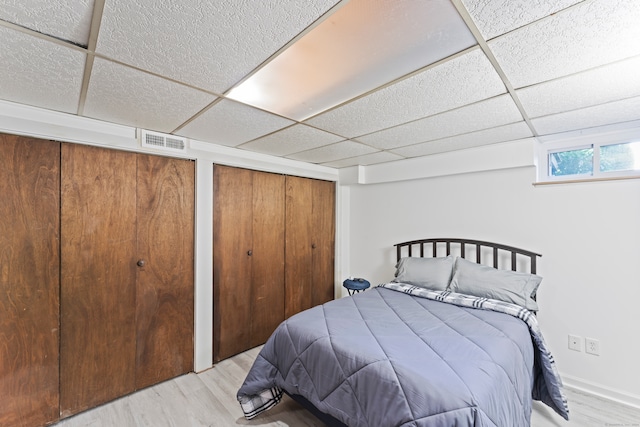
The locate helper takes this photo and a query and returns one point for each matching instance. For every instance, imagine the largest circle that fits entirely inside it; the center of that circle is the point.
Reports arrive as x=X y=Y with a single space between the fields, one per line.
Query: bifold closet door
x=164 y=299
x=98 y=276
x=310 y=237
x=248 y=259
x=324 y=223
x=29 y=280
x=232 y=241
x=299 y=241
x=127 y=273
x=267 y=281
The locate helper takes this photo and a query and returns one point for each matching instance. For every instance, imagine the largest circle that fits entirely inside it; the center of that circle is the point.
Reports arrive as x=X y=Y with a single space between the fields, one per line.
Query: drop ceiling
x=499 y=70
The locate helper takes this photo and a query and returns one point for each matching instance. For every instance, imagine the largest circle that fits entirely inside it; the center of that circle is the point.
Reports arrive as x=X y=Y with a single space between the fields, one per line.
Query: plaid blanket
x=261 y=402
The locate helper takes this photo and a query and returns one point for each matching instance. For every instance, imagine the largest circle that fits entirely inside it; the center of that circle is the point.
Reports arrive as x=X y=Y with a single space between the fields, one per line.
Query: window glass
x=571 y=162
x=620 y=157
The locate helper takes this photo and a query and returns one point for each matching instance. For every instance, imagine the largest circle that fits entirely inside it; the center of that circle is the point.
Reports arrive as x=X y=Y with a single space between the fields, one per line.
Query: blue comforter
x=398 y=355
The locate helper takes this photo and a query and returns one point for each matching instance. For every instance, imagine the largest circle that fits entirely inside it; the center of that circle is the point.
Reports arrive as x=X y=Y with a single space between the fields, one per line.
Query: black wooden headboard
x=434 y=245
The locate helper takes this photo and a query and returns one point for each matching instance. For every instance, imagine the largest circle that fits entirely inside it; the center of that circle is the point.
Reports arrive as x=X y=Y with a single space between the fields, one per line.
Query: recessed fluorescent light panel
x=363 y=45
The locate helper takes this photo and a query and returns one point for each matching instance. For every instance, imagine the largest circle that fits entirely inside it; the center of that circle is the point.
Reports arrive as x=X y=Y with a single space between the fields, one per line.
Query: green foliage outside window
x=613 y=158
x=572 y=162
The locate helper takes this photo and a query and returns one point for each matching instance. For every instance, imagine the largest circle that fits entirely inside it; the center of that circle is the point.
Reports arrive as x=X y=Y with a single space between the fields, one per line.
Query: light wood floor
x=208 y=400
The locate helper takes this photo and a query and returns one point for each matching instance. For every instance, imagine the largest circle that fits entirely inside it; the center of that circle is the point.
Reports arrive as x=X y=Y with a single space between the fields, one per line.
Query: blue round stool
x=356 y=285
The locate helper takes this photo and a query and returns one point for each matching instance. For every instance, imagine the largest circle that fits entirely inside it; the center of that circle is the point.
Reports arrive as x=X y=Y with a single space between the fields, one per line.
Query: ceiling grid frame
x=96 y=19
x=485 y=48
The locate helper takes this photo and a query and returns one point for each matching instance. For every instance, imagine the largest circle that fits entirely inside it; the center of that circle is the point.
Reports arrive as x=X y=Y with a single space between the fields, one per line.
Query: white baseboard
x=601 y=391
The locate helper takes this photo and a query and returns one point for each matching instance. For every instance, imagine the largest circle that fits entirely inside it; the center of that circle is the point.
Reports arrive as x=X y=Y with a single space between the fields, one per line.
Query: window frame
x=554 y=144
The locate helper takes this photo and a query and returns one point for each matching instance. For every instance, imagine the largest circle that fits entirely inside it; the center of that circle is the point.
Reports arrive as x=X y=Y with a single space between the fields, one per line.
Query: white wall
x=588 y=234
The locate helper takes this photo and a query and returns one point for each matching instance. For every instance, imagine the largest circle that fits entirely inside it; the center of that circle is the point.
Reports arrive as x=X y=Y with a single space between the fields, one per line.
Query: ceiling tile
x=226 y=124
x=481 y=115
x=333 y=152
x=208 y=44
x=605 y=84
x=460 y=81
x=40 y=73
x=365 y=160
x=64 y=19
x=496 y=17
x=131 y=97
x=291 y=140
x=599 y=115
x=587 y=35
x=510 y=132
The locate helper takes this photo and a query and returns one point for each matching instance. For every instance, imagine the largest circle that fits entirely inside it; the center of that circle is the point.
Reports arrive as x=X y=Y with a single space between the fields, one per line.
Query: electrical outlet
x=592 y=346
x=575 y=343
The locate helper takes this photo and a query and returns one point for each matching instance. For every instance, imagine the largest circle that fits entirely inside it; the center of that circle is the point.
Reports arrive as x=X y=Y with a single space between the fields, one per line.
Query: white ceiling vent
x=162 y=141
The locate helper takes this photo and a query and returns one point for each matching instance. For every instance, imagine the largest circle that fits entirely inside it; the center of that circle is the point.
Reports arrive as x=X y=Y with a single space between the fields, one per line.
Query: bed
x=453 y=340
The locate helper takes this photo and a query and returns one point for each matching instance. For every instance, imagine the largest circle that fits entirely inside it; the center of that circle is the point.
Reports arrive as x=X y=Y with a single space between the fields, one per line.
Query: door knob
x=140 y=263
x=249 y=252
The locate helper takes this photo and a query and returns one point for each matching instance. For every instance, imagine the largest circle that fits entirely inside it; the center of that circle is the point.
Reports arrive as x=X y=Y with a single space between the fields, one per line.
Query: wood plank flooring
x=208 y=400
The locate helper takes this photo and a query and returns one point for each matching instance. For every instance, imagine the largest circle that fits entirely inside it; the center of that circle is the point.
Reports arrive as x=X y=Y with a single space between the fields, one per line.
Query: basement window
x=620 y=157
x=601 y=159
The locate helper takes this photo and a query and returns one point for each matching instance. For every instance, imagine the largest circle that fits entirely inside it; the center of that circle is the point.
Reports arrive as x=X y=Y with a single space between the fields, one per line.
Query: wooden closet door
x=29 y=280
x=248 y=258
x=98 y=274
x=164 y=301
x=310 y=237
x=267 y=280
x=299 y=233
x=232 y=251
x=324 y=220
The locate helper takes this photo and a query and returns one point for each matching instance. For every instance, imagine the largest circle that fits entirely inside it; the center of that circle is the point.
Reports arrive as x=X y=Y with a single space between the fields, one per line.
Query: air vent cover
x=162 y=141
